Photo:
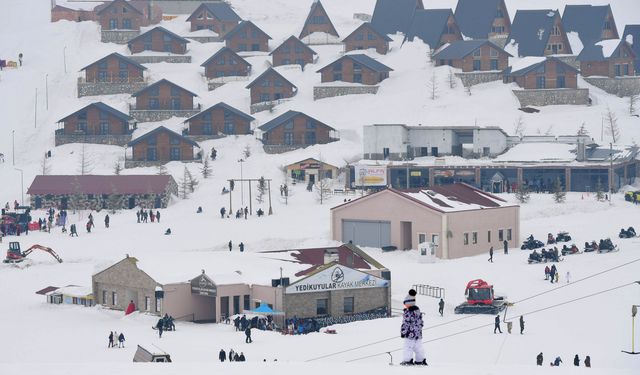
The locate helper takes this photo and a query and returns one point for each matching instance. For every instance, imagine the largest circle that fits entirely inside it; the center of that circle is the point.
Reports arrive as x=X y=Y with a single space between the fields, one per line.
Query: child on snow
x=411 y=331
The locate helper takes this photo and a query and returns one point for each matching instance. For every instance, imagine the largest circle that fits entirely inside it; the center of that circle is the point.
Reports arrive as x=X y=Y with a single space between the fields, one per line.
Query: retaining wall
x=118 y=36
x=159 y=115
x=476 y=78
x=102 y=88
x=320 y=92
x=552 y=97
x=117 y=140
x=176 y=59
x=620 y=86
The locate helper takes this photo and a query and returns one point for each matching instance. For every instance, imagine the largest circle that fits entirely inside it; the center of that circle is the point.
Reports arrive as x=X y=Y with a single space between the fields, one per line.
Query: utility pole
x=64 y=58
x=610 y=172
x=13 y=146
x=46 y=87
x=35 y=111
x=241 y=184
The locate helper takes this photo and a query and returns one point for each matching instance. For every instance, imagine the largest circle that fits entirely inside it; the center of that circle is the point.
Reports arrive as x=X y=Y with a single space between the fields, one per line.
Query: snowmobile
x=563 y=237
x=589 y=247
x=480 y=299
x=550 y=239
x=570 y=250
x=629 y=233
x=531 y=243
x=606 y=246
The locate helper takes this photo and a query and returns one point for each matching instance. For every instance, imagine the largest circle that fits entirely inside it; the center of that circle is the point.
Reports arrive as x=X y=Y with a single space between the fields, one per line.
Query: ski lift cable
x=490 y=324
x=473 y=316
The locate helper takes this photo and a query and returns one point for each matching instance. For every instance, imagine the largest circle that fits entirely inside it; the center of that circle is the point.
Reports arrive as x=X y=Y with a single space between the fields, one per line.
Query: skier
x=111 y=340
x=222 y=212
x=539 y=359
x=441 y=306
x=121 y=340
x=490 y=255
x=497 y=324
x=576 y=361
x=247 y=333
x=230 y=245
x=411 y=331
x=506 y=247
x=241 y=246
x=222 y=356
x=521 y=324
x=587 y=361
x=106 y=221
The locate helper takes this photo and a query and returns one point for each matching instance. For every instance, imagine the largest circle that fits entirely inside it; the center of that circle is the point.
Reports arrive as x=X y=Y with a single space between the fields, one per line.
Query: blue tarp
x=265 y=310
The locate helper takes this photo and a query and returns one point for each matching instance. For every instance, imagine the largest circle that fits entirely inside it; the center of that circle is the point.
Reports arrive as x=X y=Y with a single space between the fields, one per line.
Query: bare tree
x=247 y=151
x=46 y=168
x=432 y=85
x=549 y=130
x=612 y=125
x=191 y=181
x=85 y=162
x=633 y=102
x=262 y=189
x=519 y=127
x=206 y=168
x=183 y=185
x=322 y=188
x=452 y=79
x=117 y=168
x=161 y=169
x=582 y=130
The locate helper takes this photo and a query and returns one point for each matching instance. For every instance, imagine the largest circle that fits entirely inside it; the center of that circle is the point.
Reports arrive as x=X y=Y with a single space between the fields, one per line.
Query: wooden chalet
x=317 y=21
x=271 y=86
x=164 y=95
x=483 y=19
x=226 y=63
x=160 y=146
x=158 y=39
x=292 y=51
x=246 y=36
x=121 y=15
x=114 y=68
x=593 y=23
x=366 y=36
x=95 y=123
x=219 y=119
x=473 y=56
x=542 y=73
x=608 y=58
x=356 y=68
x=295 y=128
x=217 y=17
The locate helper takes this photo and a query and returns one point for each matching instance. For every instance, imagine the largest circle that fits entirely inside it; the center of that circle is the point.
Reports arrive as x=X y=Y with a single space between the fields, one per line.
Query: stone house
x=458 y=220
x=93 y=192
x=219 y=119
x=114 y=68
x=633 y=32
x=292 y=51
x=271 y=86
x=608 y=58
x=317 y=21
x=121 y=15
x=391 y=16
x=366 y=36
x=160 y=146
x=310 y=170
x=539 y=32
x=226 y=63
x=95 y=123
x=473 y=56
x=483 y=19
x=217 y=17
x=542 y=73
x=592 y=23
x=434 y=27
x=356 y=68
x=158 y=39
x=246 y=36
x=294 y=128
x=162 y=100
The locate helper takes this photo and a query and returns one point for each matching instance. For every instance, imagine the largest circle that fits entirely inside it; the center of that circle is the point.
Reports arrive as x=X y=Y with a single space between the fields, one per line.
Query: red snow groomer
x=480 y=299
x=14 y=255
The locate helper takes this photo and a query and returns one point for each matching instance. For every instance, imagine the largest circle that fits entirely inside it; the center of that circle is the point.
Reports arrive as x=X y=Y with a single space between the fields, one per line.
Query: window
x=104 y=128
x=625 y=69
x=219 y=73
x=321 y=306
x=166 y=37
x=175 y=91
x=255 y=47
x=254 y=33
x=500 y=235
x=220 y=60
x=617 y=69
x=477 y=64
x=300 y=62
x=311 y=124
x=233 y=61
x=152 y=154
x=242 y=47
x=166 y=47
x=607 y=25
x=298 y=49
x=477 y=53
x=126 y=23
x=499 y=14
x=104 y=297
x=102 y=76
x=114 y=298
x=556 y=30
x=318 y=20
x=540 y=82
x=246 y=302
x=489 y=236
x=147 y=303
x=286 y=48
x=494 y=64
x=310 y=138
x=357 y=77
x=236 y=304
x=509 y=234
x=288 y=138
x=123 y=75
x=158 y=307
x=265 y=83
x=175 y=104
x=264 y=97
x=357 y=67
x=174 y=141
x=371 y=36
x=81 y=126
x=360 y=36
x=337 y=67
x=152 y=141
x=474 y=237
x=465 y=238
x=207 y=128
x=348 y=305
x=147 y=47
x=154 y=91
x=154 y=103
x=337 y=76
x=288 y=125
x=493 y=52
x=560 y=82
x=113 y=24
x=229 y=127
x=385 y=152
x=277 y=83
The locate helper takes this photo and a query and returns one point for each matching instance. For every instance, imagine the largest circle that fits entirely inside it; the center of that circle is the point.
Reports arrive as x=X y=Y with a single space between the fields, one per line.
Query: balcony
x=163 y=112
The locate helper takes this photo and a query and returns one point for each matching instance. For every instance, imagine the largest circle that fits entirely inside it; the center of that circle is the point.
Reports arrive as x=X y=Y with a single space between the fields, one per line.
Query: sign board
x=336 y=277
x=203 y=286
x=367 y=175
x=415 y=173
x=310 y=165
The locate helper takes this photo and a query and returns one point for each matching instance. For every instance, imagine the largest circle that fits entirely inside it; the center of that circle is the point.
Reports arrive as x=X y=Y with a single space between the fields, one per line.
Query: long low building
x=458 y=220
x=93 y=192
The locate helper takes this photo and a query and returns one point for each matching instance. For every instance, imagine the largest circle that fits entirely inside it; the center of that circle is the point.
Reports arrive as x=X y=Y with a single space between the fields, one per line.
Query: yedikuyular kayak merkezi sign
x=337 y=278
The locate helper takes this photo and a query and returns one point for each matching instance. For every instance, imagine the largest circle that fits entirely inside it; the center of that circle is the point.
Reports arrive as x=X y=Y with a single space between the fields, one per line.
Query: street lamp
x=610 y=171
x=241 y=184
x=13 y=146
x=64 y=58
x=21 y=183
x=46 y=88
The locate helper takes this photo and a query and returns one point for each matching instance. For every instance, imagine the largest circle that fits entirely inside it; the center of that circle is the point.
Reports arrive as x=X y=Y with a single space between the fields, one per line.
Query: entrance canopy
x=264 y=309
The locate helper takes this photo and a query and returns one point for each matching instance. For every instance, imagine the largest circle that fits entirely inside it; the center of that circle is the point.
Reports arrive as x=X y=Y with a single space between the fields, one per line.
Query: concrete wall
x=118 y=36
x=205 y=39
x=303 y=305
x=100 y=88
x=118 y=140
x=321 y=92
x=158 y=59
x=620 y=86
x=377 y=137
x=552 y=97
x=476 y=78
x=492 y=138
x=159 y=115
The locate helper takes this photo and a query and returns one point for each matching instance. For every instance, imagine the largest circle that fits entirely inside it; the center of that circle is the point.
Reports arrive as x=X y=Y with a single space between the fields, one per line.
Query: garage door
x=367 y=232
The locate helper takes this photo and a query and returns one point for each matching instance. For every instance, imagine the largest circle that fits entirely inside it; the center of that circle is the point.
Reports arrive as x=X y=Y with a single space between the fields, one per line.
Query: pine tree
x=599 y=191
x=183 y=185
x=262 y=188
x=559 y=195
x=206 y=168
x=247 y=151
x=191 y=181
x=522 y=194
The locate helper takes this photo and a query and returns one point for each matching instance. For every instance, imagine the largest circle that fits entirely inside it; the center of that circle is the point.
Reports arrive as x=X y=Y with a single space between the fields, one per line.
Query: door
x=64 y=203
x=312 y=178
x=38 y=202
x=224 y=308
x=405 y=229
x=435 y=240
x=423 y=245
x=132 y=202
x=367 y=232
x=157 y=203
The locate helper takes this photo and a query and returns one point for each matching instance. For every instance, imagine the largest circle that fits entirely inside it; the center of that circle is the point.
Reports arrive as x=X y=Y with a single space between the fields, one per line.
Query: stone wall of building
x=476 y=78
x=160 y=114
x=320 y=92
x=118 y=36
x=200 y=138
x=570 y=60
x=279 y=149
x=99 y=202
x=620 y=86
x=303 y=305
x=552 y=97
x=148 y=163
x=117 y=140
x=175 y=59
x=205 y=39
x=102 y=88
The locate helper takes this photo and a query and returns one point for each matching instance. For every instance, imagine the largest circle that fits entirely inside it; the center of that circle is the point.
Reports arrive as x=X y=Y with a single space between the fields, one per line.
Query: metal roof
x=391 y=16
x=372 y=28
x=220 y=10
x=241 y=26
x=264 y=74
x=475 y=17
x=158 y=83
x=363 y=60
x=634 y=31
x=104 y=108
x=163 y=30
x=428 y=25
x=225 y=50
x=537 y=65
x=296 y=41
x=285 y=117
x=586 y=20
x=531 y=29
x=225 y=106
x=158 y=130
x=595 y=52
x=118 y=56
x=92 y=184
x=461 y=48
x=108 y=5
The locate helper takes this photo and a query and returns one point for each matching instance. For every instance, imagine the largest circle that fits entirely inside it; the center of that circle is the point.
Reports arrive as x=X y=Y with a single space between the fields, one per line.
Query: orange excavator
x=14 y=255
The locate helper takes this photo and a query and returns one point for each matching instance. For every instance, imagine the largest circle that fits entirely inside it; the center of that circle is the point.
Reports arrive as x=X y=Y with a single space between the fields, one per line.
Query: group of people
x=143 y=216
x=165 y=324
x=552 y=255
x=558 y=361
x=240 y=246
x=496 y=325
x=551 y=273
x=116 y=340
x=297 y=326
x=233 y=356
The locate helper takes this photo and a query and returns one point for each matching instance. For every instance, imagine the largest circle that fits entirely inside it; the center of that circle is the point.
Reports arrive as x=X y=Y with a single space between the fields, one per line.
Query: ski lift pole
x=634 y=312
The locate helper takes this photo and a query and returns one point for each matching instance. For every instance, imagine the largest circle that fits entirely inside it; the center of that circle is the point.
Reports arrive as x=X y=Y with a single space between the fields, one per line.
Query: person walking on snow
x=121 y=340
x=497 y=324
x=490 y=255
x=411 y=331
x=231 y=355
x=230 y=245
x=110 y=339
x=222 y=212
x=222 y=356
x=576 y=361
x=547 y=271
x=521 y=324
x=106 y=221
x=441 y=307
x=539 y=359
x=158 y=216
x=587 y=361
x=506 y=247
x=247 y=333
x=241 y=246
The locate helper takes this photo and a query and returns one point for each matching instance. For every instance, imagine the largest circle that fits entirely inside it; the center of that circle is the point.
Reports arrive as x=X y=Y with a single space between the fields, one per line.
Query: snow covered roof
x=586 y=20
x=162 y=129
x=162 y=82
x=73 y=291
x=225 y=50
x=103 y=108
x=78 y=5
x=264 y=74
x=538 y=152
x=575 y=42
x=531 y=29
x=224 y=106
x=120 y=57
x=601 y=50
x=475 y=17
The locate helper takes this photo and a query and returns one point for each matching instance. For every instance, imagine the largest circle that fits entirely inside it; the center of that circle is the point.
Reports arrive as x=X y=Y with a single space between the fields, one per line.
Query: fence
x=429 y=291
